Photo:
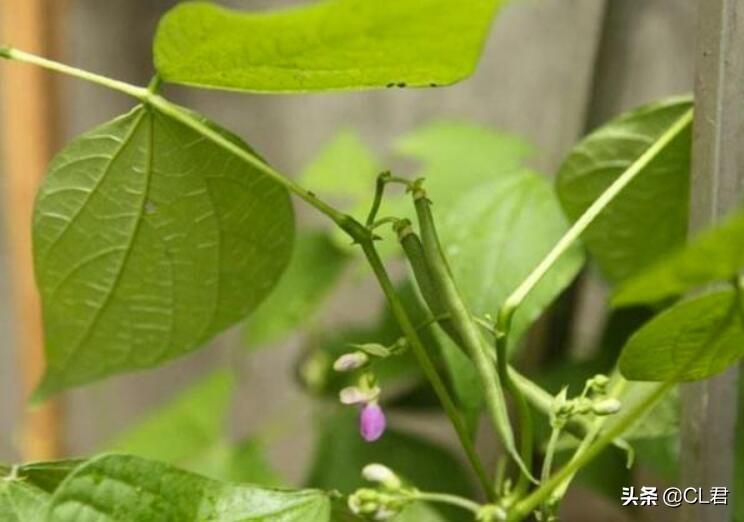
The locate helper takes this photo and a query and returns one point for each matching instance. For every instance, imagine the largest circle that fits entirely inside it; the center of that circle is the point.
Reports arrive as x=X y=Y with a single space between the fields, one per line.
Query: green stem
x=466 y=328
x=20 y=56
x=444 y=498
x=547 y=466
x=377 y=200
x=354 y=229
x=512 y=303
x=419 y=351
x=527 y=505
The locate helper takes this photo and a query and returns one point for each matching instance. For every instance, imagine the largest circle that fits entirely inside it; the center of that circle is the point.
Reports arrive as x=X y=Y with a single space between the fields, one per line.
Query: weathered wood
x=709 y=407
x=29 y=138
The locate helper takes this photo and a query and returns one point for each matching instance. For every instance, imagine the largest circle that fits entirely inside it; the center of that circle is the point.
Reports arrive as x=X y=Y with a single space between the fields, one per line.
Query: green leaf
x=344 y=169
x=479 y=234
x=457 y=156
x=315 y=268
x=660 y=422
x=335 y=44
x=691 y=340
x=121 y=488
x=21 y=501
x=190 y=423
x=715 y=255
x=149 y=239
x=341 y=454
x=649 y=217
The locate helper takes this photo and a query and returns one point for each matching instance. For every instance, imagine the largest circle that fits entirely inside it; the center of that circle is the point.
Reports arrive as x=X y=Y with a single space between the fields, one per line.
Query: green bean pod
x=473 y=342
x=414 y=252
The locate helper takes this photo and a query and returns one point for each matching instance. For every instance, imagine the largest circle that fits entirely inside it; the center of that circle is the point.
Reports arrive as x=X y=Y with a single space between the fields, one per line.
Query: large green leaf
x=21 y=501
x=121 y=488
x=715 y=255
x=190 y=423
x=335 y=44
x=149 y=239
x=316 y=265
x=691 y=340
x=649 y=217
x=342 y=453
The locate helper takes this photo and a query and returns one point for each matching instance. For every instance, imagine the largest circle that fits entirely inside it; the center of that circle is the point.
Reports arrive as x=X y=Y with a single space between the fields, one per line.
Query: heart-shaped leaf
x=649 y=217
x=149 y=239
x=335 y=44
x=692 y=340
x=121 y=488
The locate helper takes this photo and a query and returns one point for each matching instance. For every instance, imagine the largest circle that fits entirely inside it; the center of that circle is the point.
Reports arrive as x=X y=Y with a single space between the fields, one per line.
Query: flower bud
x=372 y=422
x=353 y=395
x=600 y=380
x=350 y=361
x=606 y=406
x=382 y=475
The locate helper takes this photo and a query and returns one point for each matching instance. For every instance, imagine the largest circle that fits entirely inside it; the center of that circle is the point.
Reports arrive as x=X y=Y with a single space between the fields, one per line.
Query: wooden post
x=709 y=407
x=29 y=132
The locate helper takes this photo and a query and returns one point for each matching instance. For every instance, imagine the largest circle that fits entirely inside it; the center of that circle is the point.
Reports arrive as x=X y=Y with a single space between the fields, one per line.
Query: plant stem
x=580 y=225
x=419 y=351
x=20 y=56
x=377 y=200
x=547 y=466
x=524 y=507
x=148 y=96
x=444 y=498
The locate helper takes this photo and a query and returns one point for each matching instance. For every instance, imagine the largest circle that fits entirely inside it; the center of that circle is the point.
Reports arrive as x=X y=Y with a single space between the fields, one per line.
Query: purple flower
x=372 y=422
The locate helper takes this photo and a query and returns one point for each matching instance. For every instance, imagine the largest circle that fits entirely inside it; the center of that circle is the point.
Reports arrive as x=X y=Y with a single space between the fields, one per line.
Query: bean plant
x=158 y=230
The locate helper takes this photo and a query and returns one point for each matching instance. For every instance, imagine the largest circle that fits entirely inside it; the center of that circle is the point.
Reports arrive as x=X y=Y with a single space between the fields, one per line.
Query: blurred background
x=552 y=70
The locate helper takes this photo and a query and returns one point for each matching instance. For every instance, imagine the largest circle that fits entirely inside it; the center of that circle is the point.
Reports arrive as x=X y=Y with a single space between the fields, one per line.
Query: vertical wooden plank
x=29 y=138
x=709 y=407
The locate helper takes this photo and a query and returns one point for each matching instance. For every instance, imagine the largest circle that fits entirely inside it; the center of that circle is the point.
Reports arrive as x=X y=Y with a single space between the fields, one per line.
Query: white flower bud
x=350 y=361
x=355 y=395
x=352 y=395
x=381 y=475
x=606 y=407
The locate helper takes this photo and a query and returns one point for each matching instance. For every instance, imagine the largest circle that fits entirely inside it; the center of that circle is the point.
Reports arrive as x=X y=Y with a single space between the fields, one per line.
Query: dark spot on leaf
x=402 y=84
x=389 y=85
